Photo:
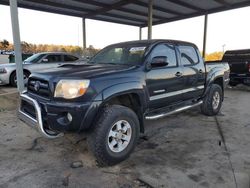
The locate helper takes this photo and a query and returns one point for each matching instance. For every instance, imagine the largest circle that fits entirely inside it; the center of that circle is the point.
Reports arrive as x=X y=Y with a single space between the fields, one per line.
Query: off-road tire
x=98 y=138
x=207 y=106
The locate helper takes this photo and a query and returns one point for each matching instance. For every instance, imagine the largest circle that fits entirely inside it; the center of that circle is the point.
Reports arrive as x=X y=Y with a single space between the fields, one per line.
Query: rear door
x=194 y=72
x=164 y=83
x=54 y=60
x=51 y=61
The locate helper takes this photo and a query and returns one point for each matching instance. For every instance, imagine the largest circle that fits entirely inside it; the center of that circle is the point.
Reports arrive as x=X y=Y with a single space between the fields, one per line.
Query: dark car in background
x=239 y=62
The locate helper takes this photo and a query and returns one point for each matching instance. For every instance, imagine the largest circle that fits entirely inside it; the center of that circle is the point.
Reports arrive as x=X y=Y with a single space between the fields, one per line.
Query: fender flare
x=135 y=87
x=132 y=87
x=211 y=78
x=122 y=89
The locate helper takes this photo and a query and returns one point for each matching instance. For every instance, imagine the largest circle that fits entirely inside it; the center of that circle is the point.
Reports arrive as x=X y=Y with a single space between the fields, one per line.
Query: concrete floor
x=184 y=150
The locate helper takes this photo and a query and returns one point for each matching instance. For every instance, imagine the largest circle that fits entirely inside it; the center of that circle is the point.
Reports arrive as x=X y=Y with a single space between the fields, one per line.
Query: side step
x=157 y=116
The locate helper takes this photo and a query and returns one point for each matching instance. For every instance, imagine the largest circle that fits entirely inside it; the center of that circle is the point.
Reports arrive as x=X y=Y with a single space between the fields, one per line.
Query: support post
x=204 y=36
x=17 y=44
x=140 y=33
x=84 y=33
x=150 y=18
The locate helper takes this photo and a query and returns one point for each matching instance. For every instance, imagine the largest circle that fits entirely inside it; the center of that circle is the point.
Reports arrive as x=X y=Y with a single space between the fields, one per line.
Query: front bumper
x=240 y=78
x=35 y=122
x=4 y=79
x=51 y=118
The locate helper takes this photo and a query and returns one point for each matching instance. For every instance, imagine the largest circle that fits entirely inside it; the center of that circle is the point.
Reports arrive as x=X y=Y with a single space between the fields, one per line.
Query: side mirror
x=45 y=60
x=159 y=61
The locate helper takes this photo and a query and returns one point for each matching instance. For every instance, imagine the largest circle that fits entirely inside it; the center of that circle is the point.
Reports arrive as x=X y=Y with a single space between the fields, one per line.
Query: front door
x=48 y=62
x=164 y=83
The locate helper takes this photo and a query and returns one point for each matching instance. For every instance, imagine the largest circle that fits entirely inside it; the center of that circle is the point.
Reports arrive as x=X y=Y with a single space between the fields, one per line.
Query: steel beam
x=158 y=8
x=204 y=36
x=17 y=44
x=140 y=33
x=109 y=8
x=84 y=33
x=150 y=18
x=185 y=4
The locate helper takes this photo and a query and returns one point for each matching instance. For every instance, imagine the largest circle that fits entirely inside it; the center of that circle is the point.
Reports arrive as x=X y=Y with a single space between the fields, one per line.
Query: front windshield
x=131 y=55
x=34 y=58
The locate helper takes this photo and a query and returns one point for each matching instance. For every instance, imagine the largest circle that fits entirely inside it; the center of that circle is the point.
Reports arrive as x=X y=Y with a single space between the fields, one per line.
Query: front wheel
x=13 y=78
x=115 y=135
x=213 y=101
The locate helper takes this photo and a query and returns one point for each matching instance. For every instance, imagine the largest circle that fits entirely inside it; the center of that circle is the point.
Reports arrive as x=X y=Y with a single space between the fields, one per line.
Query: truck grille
x=39 y=87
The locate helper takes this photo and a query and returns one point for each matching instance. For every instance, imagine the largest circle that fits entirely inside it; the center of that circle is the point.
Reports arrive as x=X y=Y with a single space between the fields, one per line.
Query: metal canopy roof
x=131 y=12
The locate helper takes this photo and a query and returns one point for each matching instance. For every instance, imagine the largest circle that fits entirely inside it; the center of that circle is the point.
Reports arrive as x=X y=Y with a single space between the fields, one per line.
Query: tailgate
x=239 y=67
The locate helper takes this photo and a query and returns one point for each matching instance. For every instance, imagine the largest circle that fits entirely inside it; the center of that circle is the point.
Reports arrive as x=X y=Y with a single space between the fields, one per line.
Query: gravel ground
x=183 y=150
x=7 y=89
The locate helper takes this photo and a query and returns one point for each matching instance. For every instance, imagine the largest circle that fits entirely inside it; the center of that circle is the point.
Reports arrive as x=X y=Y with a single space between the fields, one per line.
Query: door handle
x=178 y=74
x=200 y=71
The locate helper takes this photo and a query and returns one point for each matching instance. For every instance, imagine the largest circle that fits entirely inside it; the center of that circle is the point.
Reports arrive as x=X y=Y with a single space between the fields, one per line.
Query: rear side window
x=54 y=58
x=165 y=50
x=188 y=55
x=70 y=58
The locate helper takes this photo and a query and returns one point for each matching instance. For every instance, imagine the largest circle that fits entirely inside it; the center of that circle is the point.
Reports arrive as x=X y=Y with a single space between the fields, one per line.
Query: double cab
x=110 y=96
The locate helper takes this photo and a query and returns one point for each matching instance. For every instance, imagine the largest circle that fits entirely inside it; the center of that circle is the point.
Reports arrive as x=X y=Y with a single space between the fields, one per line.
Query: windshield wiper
x=73 y=65
x=103 y=63
x=93 y=62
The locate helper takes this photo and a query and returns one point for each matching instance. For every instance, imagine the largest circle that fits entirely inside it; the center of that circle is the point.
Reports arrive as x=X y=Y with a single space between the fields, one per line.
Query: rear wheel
x=213 y=101
x=115 y=135
x=13 y=78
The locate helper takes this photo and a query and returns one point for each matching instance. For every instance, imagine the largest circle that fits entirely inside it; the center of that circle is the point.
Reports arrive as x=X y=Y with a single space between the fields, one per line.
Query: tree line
x=29 y=48
x=90 y=51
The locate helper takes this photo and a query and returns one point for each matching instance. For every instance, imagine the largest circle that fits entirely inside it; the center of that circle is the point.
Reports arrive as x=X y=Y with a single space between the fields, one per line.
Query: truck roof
x=154 y=41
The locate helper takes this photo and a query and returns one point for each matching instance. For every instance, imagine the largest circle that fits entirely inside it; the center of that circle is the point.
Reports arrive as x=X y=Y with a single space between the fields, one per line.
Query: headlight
x=3 y=71
x=70 y=89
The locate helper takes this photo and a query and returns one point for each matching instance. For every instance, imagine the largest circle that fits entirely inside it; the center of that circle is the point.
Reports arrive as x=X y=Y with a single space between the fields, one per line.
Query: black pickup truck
x=111 y=96
x=239 y=62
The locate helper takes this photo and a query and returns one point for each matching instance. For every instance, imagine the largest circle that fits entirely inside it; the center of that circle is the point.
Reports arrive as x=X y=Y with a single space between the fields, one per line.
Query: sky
x=229 y=29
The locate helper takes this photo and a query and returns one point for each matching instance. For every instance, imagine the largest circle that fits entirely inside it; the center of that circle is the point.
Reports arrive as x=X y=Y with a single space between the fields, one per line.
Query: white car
x=35 y=63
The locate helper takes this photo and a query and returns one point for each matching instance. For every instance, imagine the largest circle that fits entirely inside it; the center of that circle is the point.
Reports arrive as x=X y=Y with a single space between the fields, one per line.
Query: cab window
x=166 y=50
x=70 y=58
x=53 y=58
x=189 y=55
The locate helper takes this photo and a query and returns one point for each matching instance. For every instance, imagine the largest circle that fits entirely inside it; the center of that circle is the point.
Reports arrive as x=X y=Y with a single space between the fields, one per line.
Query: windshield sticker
x=135 y=49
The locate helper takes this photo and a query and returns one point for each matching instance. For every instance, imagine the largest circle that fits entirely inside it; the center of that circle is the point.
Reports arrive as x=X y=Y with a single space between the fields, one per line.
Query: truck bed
x=215 y=64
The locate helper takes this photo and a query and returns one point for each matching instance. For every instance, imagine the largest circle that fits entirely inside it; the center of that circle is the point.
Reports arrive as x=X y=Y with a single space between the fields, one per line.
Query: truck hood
x=82 y=71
